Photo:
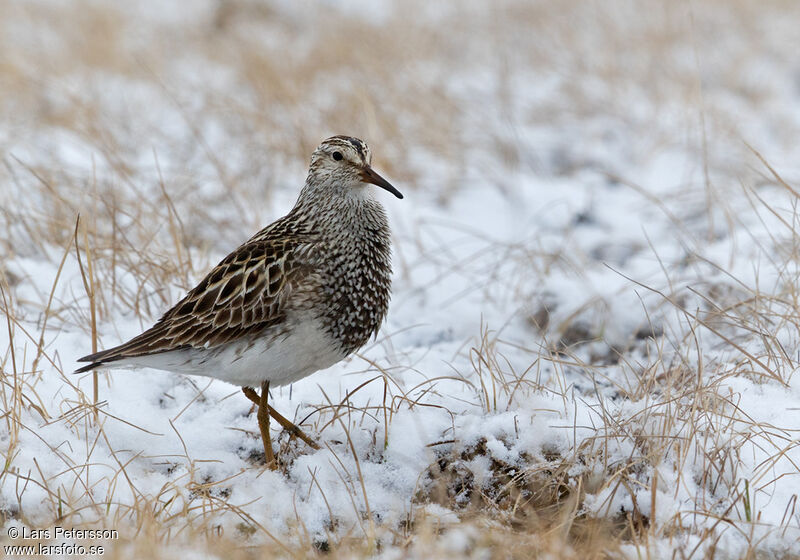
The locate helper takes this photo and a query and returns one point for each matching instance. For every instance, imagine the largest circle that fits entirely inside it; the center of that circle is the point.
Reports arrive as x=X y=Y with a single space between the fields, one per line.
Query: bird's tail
x=98 y=359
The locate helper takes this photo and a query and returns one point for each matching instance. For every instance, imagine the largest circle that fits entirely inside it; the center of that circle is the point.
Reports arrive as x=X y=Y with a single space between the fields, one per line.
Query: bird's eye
x=337 y=155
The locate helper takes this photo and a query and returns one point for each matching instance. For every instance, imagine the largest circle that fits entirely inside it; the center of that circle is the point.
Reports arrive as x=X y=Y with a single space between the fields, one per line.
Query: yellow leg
x=263 y=423
x=293 y=430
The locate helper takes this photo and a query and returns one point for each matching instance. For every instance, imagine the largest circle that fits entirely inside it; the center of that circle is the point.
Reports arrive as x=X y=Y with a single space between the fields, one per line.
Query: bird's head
x=343 y=163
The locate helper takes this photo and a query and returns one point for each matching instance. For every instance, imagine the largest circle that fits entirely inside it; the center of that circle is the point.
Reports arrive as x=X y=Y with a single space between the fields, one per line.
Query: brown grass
x=167 y=111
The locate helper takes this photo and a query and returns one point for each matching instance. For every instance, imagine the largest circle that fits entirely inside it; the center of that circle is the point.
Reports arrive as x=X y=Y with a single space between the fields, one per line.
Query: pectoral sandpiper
x=297 y=297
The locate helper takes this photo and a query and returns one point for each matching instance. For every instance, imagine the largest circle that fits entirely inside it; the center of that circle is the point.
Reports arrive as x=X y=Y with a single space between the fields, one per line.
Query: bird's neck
x=337 y=208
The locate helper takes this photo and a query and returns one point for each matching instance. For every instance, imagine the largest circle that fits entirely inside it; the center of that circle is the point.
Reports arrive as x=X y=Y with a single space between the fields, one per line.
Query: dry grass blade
x=592 y=348
x=88 y=283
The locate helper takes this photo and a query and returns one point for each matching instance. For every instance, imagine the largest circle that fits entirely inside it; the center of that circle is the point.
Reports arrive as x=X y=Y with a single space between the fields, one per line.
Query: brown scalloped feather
x=320 y=277
x=243 y=295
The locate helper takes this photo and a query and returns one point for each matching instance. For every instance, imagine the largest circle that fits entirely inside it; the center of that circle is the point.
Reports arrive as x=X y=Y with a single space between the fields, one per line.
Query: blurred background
x=120 y=98
x=577 y=175
x=203 y=114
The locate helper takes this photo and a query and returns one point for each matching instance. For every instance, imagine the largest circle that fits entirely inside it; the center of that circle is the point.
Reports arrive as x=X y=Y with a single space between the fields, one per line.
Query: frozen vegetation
x=594 y=333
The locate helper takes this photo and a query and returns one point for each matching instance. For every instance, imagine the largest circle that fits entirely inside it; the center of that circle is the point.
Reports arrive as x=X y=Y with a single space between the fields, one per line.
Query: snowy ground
x=593 y=336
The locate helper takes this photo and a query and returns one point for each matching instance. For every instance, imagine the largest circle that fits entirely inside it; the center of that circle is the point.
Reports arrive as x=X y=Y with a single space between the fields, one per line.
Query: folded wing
x=244 y=294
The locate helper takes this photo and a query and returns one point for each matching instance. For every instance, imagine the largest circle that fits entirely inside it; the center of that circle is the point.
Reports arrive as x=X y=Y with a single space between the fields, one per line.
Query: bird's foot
x=294 y=430
x=291 y=428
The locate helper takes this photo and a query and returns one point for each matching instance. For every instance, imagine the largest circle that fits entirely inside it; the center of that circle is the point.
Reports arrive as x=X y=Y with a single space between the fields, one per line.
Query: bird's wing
x=242 y=295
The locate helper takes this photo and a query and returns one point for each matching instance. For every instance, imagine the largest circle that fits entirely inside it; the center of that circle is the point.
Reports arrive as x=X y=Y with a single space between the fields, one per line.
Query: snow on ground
x=593 y=268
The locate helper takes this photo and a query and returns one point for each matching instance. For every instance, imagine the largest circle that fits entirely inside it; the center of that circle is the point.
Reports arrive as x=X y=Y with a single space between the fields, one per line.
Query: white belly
x=305 y=349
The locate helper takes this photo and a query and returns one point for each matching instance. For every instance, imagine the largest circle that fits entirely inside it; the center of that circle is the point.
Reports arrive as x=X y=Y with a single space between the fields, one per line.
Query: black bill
x=368 y=175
